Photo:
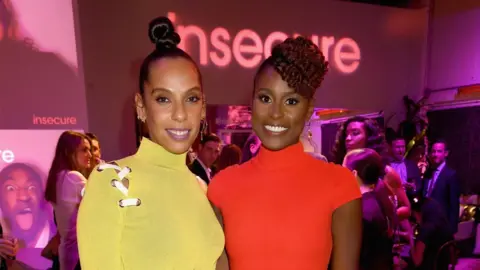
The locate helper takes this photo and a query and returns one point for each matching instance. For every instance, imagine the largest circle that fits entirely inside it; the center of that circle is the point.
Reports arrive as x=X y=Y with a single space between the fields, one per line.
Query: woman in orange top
x=284 y=209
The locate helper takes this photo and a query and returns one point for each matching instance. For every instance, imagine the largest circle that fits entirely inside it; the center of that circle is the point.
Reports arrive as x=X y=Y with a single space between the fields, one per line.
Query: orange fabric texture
x=277 y=209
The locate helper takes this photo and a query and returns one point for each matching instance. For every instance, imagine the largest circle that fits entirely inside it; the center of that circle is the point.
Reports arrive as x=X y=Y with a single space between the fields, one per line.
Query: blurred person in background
x=208 y=152
x=230 y=155
x=377 y=240
x=433 y=232
x=251 y=147
x=96 y=149
x=64 y=189
x=407 y=170
x=360 y=132
x=441 y=182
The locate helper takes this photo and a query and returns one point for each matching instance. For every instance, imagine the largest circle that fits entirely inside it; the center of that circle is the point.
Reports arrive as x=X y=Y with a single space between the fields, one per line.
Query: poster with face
x=25 y=159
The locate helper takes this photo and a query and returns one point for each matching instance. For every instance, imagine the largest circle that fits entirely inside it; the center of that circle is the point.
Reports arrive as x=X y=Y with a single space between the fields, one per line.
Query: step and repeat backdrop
x=42 y=94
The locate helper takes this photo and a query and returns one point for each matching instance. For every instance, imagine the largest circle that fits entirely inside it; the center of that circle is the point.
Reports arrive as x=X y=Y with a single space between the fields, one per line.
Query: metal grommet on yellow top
x=129 y=202
x=118 y=183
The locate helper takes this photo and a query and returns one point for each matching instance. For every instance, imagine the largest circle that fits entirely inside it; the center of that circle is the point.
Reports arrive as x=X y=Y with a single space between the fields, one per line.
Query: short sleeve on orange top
x=277 y=209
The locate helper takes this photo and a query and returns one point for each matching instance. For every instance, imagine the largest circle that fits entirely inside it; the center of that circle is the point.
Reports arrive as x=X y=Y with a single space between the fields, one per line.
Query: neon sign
x=248 y=49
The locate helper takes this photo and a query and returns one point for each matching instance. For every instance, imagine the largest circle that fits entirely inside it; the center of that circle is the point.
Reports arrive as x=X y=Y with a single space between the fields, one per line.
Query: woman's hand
x=8 y=248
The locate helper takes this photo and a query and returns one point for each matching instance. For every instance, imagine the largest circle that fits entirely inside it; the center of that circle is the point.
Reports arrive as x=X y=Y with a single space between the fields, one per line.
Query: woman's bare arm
x=394 y=182
x=222 y=263
x=347 y=236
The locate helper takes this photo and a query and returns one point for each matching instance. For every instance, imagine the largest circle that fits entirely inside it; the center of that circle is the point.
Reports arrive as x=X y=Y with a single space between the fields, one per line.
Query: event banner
x=41 y=84
x=25 y=159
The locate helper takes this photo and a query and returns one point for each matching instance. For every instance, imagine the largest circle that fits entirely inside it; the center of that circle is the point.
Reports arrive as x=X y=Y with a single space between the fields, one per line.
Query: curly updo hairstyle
x=162 y=33
x=300 y=63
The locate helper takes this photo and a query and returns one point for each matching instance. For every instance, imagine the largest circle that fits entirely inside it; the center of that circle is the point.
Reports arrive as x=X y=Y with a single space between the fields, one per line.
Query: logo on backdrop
x=7 y=156
x=220 y=47
x=53 y=120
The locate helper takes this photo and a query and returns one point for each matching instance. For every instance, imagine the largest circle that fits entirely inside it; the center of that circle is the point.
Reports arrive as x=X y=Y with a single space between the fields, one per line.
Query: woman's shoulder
x=323 y=167
x=228 y=173
x=229 y=176
x=114 y=165
x=103 y=173
x=74 y=177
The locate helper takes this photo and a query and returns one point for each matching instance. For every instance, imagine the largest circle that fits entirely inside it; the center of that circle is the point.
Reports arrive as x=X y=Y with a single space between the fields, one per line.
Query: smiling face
x=83 y=155
x=172 y=103
x=438 y=153
x=279 y=113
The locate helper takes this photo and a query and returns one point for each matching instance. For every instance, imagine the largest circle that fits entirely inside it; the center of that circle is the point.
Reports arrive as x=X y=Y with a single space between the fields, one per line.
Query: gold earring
x=309 y=132
x=141 y=118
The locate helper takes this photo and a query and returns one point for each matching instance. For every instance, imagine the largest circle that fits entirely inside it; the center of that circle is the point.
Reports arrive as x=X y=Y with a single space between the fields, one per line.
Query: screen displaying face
x=25 y=159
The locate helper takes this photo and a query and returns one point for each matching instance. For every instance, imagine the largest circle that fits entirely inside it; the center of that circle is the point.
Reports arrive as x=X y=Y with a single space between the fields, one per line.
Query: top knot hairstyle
x=161 y=32
x=300 y=63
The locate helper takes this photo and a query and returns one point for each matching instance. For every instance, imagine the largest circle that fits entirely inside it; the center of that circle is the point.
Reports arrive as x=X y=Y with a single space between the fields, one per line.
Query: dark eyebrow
x=270 y=91
x=161 y=89
x=264 y=89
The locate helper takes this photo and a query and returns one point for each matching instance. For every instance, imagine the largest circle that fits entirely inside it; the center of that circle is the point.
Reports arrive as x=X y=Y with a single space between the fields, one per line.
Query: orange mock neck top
x=277 y=209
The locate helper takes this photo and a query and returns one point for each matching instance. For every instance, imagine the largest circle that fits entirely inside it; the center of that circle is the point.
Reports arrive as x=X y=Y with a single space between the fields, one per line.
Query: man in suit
x=441 y=183
x=407 y=169
x=208 y=152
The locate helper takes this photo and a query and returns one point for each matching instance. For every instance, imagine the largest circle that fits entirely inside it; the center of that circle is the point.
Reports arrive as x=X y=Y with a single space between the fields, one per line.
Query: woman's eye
x=162 y=100
x=291 y=101
x=31 y=188
x=10 y=188
x=193 y=99
x=265 y=99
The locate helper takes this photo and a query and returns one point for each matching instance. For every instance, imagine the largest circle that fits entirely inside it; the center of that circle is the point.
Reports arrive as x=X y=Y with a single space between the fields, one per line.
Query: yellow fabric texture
x=174 y=227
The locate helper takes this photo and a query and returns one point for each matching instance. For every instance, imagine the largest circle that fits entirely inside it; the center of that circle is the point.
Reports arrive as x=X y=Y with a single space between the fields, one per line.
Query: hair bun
x=162 y=33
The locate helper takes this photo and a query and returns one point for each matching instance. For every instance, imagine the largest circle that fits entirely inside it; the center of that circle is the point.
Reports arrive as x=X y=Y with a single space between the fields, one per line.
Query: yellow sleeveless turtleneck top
x=162 y=220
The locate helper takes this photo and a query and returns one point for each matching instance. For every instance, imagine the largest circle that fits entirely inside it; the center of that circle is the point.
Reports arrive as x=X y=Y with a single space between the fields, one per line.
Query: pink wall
x=42 y=94
x=390 y=53
x=455 y=44
x=40 y=77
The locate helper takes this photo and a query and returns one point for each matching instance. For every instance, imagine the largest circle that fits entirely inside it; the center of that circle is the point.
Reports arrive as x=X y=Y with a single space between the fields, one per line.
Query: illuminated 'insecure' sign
x=248 y=49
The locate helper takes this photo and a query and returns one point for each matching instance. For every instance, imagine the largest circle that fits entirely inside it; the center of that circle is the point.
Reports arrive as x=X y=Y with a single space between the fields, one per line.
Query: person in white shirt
x=407 y=170
x=65 y=183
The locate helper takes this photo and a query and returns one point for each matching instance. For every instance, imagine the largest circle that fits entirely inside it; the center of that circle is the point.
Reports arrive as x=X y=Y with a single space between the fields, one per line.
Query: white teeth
x=275 y=128
x=179 y=133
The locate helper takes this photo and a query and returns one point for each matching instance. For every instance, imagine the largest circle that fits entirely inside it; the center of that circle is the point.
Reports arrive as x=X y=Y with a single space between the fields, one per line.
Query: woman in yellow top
x=148 y=211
